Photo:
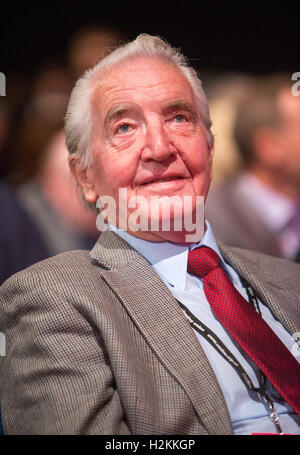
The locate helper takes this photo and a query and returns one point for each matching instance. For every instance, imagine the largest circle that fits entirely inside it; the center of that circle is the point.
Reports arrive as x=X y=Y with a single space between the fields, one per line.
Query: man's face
x=148 y=139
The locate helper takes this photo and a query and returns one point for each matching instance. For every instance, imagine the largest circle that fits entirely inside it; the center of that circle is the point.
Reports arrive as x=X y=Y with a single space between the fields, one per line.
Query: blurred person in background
x=42 y=213
x=259 y=208
x=90 y=44
x=39 y=113
x=52 y=201
x=35 y=122
x=48 y=192
x=21 y=243
x=225 y=93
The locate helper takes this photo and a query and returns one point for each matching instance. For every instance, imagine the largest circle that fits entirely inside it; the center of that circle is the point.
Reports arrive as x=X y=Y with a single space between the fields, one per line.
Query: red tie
x=247 y=327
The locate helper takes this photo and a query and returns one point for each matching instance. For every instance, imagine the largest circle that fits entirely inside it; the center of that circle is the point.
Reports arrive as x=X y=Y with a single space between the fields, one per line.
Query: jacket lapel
x=160 y=320
x=265 y=282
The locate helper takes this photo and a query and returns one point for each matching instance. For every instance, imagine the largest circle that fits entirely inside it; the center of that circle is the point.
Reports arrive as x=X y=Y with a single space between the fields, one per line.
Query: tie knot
x=202 y=260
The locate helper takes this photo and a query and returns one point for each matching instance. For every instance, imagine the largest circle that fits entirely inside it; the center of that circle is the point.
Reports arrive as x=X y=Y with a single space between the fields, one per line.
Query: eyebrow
x=118 y=111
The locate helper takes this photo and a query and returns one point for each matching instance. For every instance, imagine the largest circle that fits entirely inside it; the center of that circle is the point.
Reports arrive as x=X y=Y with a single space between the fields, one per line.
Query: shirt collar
x=170 y=259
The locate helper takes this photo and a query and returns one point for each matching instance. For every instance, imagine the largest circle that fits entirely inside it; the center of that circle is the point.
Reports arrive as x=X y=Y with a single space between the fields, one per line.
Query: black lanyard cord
x=219 y=346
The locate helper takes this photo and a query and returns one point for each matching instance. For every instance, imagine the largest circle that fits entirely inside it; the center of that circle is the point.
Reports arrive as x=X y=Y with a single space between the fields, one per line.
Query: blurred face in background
x=289 y=134
x=89 y=46
x=58 y=187
x=148 y=138
x=277 y=147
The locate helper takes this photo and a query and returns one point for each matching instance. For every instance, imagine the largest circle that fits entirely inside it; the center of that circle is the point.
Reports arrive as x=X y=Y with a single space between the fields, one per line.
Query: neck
x=180 y=237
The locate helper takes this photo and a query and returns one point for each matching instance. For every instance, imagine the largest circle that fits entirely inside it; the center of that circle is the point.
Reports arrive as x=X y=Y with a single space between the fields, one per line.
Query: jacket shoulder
x=286 y=272
x=53 y=267
x=256 y=256
x=70 y=276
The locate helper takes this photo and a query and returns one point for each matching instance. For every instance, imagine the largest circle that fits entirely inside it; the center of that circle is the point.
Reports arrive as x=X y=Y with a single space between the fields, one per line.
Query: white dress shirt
x=249 y=414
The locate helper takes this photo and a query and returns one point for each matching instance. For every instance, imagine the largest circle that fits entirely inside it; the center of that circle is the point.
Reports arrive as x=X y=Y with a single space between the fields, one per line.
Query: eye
x=180 y=118
x=123 y=128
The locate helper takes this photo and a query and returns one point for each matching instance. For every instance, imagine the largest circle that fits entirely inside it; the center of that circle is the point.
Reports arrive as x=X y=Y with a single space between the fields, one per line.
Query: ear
x=84 y=178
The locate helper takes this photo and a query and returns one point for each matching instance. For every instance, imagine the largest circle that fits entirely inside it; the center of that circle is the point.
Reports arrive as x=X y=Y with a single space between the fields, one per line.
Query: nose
x=157 y=145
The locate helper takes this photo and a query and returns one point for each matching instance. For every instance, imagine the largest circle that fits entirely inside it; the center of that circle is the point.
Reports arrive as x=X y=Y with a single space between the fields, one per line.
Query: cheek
x=114 y=171
x=196 y=156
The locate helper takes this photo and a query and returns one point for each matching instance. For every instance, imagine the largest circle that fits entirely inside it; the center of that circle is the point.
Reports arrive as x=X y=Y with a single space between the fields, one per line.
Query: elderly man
x=157 y=330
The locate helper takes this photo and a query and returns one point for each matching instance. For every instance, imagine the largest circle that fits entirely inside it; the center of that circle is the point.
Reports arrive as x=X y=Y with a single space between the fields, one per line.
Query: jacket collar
x=267 y=282
x=111 y=252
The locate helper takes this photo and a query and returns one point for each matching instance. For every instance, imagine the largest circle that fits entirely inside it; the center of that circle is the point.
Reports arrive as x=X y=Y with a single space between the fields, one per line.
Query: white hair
x=78 y=119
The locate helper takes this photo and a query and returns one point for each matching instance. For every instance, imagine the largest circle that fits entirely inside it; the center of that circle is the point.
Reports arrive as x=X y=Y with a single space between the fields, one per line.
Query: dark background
x=216 y=36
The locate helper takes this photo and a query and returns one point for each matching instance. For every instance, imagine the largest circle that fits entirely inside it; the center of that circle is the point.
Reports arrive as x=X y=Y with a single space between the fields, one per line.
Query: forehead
x=142 y=80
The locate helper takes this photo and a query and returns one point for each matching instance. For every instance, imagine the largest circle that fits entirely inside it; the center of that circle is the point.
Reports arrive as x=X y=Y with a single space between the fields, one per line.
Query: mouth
x=162 y=180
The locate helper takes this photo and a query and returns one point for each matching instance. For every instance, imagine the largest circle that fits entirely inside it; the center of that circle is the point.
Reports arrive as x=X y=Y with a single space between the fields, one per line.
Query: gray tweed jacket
x=96 y=344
